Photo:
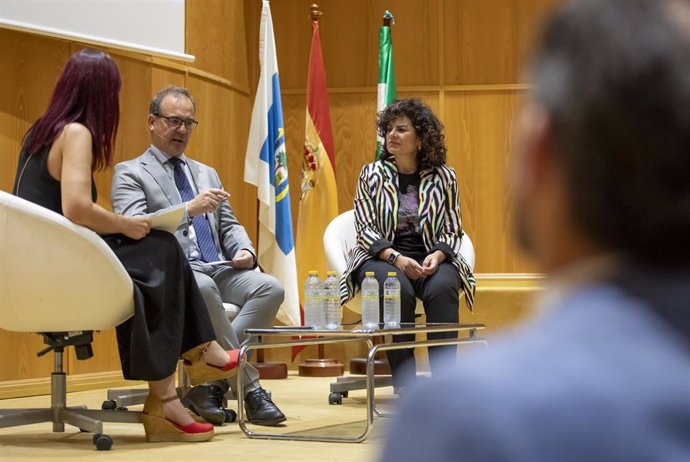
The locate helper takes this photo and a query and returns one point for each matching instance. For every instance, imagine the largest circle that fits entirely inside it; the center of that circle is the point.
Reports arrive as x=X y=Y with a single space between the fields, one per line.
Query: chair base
x=343 y=385
x=87 y=420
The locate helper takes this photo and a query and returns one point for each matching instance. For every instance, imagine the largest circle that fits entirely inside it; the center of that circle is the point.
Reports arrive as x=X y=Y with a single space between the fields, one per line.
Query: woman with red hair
x=60 y=152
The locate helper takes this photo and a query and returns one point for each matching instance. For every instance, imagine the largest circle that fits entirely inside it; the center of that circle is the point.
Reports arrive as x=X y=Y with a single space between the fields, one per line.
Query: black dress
x=170 y=316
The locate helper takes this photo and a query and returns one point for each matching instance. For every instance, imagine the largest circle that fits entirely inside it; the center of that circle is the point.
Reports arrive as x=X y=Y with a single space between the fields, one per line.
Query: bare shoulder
x=75 y=134
x=75 y=142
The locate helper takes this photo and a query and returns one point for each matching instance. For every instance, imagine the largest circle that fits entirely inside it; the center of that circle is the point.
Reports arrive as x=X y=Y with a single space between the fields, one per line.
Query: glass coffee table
x=284 y=337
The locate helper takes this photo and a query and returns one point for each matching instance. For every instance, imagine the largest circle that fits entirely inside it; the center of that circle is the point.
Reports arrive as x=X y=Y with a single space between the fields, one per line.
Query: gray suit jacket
x=142 y=186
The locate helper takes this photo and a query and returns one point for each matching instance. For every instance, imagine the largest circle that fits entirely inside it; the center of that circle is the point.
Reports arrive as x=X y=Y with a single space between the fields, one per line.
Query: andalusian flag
x=319 y=199
x=386 y=89
x=265 y=167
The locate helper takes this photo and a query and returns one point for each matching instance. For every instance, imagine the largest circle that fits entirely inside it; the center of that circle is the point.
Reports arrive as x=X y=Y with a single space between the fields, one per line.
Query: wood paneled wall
x=463 y=57
x=219 y=79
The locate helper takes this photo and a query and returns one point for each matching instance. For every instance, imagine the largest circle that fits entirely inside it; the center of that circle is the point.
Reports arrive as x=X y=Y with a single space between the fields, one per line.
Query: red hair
x=87 y=92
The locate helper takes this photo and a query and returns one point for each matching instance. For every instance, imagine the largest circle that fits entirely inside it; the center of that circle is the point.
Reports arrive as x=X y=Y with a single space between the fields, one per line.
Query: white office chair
x=63 y=281
x=338 y=239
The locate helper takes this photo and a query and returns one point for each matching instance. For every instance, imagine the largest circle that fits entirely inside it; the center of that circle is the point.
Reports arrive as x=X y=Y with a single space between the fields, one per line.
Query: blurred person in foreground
x=601 y=177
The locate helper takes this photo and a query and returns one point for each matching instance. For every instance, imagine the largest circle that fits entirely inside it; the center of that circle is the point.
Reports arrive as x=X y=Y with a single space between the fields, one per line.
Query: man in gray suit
x=217 y=246
x=601 y=183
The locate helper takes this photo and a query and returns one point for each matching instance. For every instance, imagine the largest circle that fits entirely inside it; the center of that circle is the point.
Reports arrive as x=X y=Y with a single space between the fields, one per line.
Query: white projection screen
x=154 y=27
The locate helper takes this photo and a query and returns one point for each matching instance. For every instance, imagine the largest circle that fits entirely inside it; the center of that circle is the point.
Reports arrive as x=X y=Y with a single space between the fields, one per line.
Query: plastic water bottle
x=370 y=301
x=391 y=301
x=314 y=315
x=331 y=301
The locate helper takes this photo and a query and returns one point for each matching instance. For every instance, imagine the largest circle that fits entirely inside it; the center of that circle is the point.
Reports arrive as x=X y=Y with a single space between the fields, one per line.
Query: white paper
x=219 y=262
x=168 y=221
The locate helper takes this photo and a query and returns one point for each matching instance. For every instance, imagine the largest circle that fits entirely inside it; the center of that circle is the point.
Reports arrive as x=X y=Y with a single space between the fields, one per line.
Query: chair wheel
x=345 y=393
x=109 y=405
x=335 y=398
x=102 y=442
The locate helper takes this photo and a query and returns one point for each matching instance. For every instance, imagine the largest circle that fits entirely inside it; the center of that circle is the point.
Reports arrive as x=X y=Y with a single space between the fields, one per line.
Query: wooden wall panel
x=220 y=140
x=162 y=77
x=349 y=38
x=485 y=42
x=440 y=47
x=478 y=130
x=31 y=65
x=450 y=53
x=216 y=37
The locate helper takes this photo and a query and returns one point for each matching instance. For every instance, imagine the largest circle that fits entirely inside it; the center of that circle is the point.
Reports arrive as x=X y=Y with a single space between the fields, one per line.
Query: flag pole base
x=321 y=368
x=358 y=366
x=272 y=370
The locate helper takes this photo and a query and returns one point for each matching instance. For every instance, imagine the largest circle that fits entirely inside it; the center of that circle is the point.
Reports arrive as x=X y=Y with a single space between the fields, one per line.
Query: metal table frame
x=343 y=335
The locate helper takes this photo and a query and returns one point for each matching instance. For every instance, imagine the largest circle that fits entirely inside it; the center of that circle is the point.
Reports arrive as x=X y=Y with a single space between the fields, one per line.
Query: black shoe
x=206 y=401
x=261 y=410
x=230 y=415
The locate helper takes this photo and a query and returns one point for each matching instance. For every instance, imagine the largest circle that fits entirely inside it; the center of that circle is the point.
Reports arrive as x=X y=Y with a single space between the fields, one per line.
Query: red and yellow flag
x=318 y=203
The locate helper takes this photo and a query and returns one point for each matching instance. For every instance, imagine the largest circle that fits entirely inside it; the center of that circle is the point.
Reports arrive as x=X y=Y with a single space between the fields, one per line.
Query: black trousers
x=170 y=315
x=438 y=292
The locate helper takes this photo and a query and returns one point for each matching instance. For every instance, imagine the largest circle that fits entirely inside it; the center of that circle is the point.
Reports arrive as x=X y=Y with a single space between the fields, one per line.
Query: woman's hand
x=410 y=267
x=136 y=227
x=431 y=262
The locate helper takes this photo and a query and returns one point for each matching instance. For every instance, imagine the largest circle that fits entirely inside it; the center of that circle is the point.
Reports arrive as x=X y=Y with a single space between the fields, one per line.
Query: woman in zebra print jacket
x=407 y=217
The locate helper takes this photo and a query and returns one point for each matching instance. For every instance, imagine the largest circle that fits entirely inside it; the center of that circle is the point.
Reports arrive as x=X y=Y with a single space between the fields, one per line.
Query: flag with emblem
x=318 y=203
x=266 y=167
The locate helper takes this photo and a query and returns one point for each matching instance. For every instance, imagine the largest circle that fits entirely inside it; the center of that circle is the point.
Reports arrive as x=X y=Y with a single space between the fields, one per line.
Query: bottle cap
x=313 y=273
x=331 y=273
x=392 y=273
x=369 y=273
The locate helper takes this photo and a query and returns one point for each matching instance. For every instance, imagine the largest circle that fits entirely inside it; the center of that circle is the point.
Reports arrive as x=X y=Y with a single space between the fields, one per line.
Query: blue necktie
x=204 y=238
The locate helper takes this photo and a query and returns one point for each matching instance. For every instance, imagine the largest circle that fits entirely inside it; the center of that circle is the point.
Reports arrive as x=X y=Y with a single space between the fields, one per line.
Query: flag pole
x=358 y=366
x=315 y=12
x=318 y=183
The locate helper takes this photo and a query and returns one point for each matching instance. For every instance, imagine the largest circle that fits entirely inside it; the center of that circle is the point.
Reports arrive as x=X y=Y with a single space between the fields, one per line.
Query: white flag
x=265 y=167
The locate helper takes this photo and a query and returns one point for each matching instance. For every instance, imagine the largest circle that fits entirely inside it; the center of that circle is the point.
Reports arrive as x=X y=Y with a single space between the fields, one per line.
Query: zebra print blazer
x=376 y=217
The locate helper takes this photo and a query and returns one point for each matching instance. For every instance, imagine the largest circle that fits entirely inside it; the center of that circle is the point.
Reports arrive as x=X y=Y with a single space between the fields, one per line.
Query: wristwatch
x=392 y=257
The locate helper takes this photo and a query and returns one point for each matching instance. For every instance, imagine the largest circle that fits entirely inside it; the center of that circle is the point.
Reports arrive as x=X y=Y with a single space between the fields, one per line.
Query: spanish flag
x=318 y=203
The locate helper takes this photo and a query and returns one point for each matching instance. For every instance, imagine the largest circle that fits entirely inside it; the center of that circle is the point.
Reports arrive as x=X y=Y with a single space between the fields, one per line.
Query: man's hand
x=431 y=262
x=206 y=201
x=243 y=259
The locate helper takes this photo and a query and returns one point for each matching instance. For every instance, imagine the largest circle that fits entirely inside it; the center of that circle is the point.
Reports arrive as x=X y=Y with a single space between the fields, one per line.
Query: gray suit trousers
x=259 y=297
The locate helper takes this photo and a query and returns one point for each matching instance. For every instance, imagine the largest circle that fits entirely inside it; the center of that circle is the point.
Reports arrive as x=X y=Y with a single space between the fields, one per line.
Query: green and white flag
x=386 y=88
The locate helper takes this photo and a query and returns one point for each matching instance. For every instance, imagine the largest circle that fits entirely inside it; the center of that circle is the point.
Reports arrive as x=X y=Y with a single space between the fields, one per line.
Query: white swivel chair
x=63 y=281
x=338 y=239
